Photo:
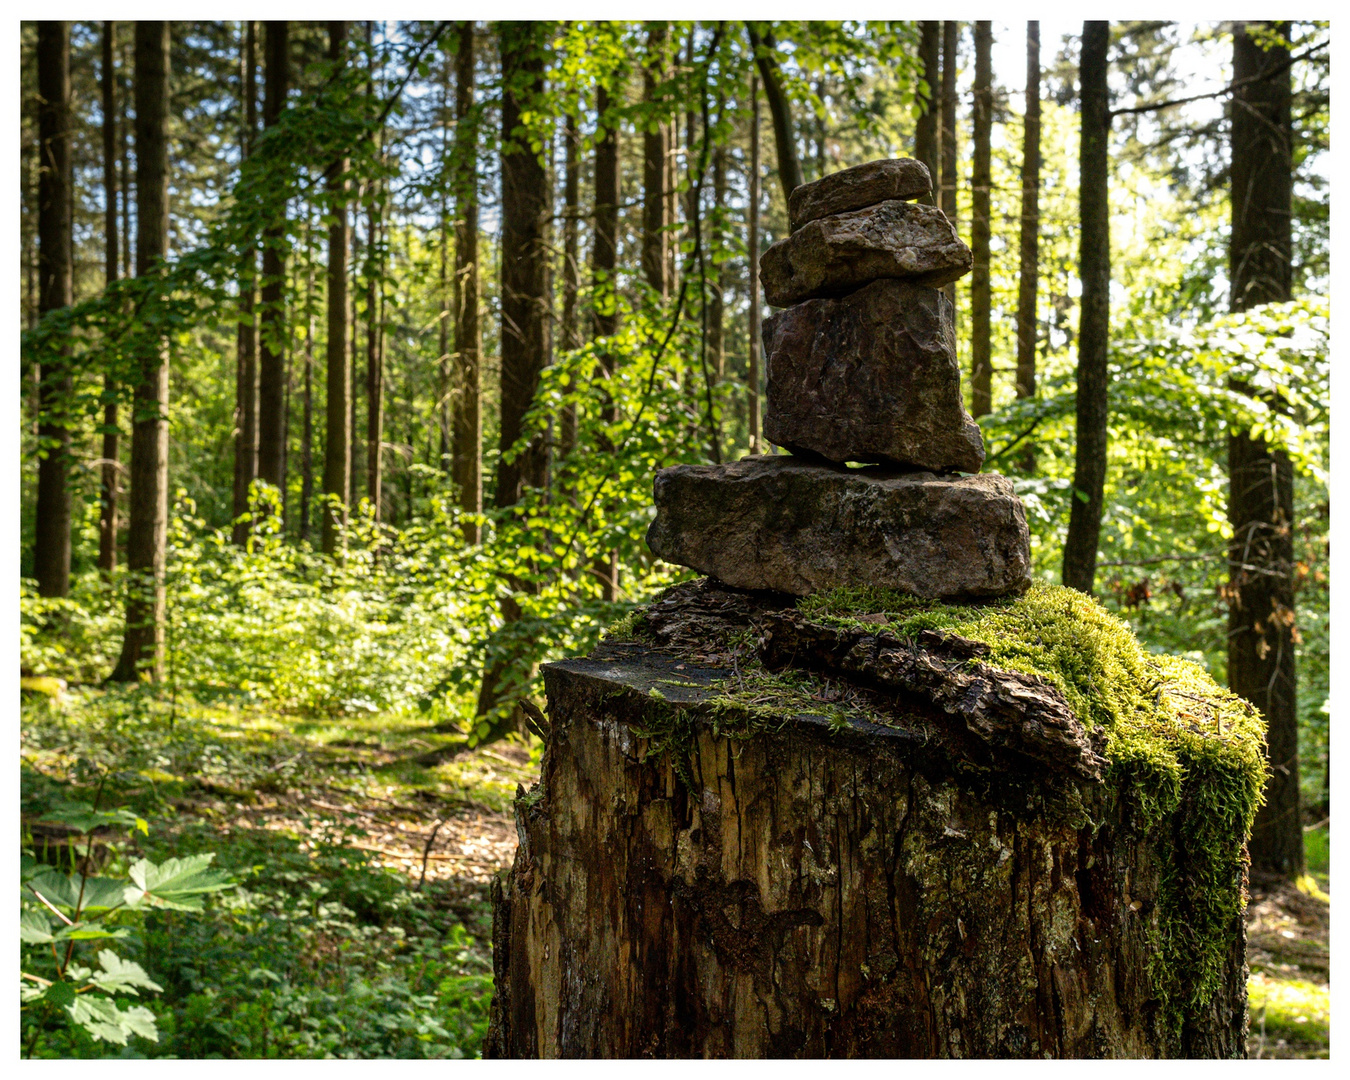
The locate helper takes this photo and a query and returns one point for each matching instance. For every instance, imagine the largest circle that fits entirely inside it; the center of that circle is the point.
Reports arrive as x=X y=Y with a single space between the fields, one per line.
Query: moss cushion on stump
x=865 y=824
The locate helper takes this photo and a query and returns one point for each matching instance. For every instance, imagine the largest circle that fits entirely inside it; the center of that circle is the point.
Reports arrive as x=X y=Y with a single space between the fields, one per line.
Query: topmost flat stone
x=857 y=188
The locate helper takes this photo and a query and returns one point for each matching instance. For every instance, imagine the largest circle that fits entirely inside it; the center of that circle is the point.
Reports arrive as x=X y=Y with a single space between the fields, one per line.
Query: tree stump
x=851 y=827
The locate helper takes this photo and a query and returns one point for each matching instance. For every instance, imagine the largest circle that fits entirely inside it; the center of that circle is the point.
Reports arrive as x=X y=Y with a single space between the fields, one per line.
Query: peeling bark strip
x=1007 y=710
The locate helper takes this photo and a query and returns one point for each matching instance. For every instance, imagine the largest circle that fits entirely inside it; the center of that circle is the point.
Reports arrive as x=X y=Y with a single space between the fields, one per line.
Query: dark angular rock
x=871 y=377
x=858 y=187
x=794 y=526
x=834 y=255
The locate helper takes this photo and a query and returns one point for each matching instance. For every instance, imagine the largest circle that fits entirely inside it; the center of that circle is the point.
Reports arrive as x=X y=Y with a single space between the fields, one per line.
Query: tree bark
x=716 y=297
x=147 y=526
x=1029 y=247
x=445 y=387
x=926 y=105
x=604 y=260
x=752 y=247
x=981 y=367
x=375 y=356
x=780 y=109
x=337 y=460
x=1260 y=593
x=51 y=538
x=568 y=327
x=109 y=481
x=966 y=881
x=468 y=438
x=950 y=33
x=246 y=339
x=307 y=401
x=272 y=329
x=654 y=151
x=1094 y=270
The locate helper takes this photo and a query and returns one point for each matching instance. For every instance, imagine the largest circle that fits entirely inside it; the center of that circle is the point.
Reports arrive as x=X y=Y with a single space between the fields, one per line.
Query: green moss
x=624 y=628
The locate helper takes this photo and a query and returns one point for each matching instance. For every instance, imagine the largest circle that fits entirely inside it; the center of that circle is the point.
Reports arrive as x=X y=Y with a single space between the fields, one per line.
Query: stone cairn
x=861 y=368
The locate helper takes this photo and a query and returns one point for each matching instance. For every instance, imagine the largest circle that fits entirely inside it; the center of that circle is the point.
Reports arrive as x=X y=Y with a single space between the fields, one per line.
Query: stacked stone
x=861 y=369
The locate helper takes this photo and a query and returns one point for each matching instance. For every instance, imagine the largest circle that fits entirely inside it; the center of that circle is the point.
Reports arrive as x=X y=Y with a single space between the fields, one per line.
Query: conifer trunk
x=109 y=482
x=716 y=297
x=780 y=110
x=51 y=538
x=654 y=237
x=467 y=459
x=147 y=525
x=1031 y=220
x=950 y=33
x=1094 y=269
x=1260 y=593
x=272 y=328
x=246 y=337
x=570 y=337
x=752 y=247
x=604 y=259
x=337 y=461
x=927 y=106
x=981 y=366
x=375 y=357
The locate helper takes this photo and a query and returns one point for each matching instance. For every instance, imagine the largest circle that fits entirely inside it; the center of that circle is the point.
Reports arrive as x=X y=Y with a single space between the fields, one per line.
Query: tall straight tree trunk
x=108 y=479
x=147 y=527
x=272 y=351
x=752 y=247
x=571 y=337
x=337 y=460
x=124 y=157
x=444 y=385
x=927 y=104
x=780 y=110
x=1261 y=615
x=951 y=32
x=468 y=440
x=1094 y=270
x=981 y=368
x=654 y=168
x=375 y=357
x=51 y=539
x=358 y=466
x=307 y=406
x=1029 y=246
x=716 y=297
x=526 y=308
x=246 y=339
x=604 y=259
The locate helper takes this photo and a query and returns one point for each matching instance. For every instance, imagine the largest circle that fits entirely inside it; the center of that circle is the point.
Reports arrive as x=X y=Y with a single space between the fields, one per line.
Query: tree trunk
x=375 y=357
x=246 y=339
x=950 y=33
x=654 y=167
x=716 y=298
x=570 y=332
x=445 y=388
x=51 y=538
x=699 y=878
x=604 y=259
x=1261 y=616
x=752 y=247
x=1031 y=220
x=468 y=442
x=272 y=329
x=1094 y=270
x=981 y=367
x=527 y=203
x=926 y=105
x=147 y=526
x=780 y=109
x=108 y=479
x=337 y=459
x=307 y=406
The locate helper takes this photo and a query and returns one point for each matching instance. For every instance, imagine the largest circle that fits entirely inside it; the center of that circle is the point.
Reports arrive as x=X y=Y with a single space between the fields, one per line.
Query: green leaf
x=34 y=928
x=105 y=1021
x=82 y=931
x=82 y=817
x=121 y=976
x=177 y=883
x=63 y=890
x=60 y=993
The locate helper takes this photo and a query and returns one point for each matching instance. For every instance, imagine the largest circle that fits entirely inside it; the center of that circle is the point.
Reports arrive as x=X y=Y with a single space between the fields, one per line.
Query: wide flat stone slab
x=834 y=255
x=794 y=526
x=858 y=187
x=871 y=377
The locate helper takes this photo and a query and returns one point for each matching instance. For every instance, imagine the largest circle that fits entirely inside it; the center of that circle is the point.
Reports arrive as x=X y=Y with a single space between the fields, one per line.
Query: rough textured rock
x=795 y=526
x=834 y=255
x=858 y=187
x=871 y=377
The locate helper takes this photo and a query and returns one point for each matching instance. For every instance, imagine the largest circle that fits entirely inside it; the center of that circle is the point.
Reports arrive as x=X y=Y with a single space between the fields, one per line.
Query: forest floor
x=365 y=848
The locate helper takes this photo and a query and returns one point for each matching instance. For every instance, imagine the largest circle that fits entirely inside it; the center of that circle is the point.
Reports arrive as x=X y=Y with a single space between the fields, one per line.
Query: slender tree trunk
x=124 y=158
x=927 y=105
x=604 y=259
x=272 y=350
x=1094 y=270
x=780 y=109
x=307 y=405
x=820 y=131
x=337 y=459
x=951 y=32
x=468 y=440
x=246 y=341
x=752 y=247
x=571 y=337
x=981 y=368
x=358 y=465
x=108 y=481
x=1261 y=614
x=716 y=298
x=1031 y=220
x=375 y=357
x=654 y=167
x=51 y=540
x=147 y=527
x=445 y=390
x=525 y=316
